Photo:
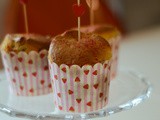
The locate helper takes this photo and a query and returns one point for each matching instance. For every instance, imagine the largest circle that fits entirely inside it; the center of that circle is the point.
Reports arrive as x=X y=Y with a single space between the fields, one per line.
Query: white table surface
x=139 y=51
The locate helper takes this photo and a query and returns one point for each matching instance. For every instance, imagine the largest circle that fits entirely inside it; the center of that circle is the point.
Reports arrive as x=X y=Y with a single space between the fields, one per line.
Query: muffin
x=112 y=35
x=25 y=43
x=26 y=64
x=87 y=51
x=80 y=71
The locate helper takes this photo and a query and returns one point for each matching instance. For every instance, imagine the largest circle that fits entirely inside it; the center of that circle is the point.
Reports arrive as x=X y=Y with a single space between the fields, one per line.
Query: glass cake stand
x=127 y=90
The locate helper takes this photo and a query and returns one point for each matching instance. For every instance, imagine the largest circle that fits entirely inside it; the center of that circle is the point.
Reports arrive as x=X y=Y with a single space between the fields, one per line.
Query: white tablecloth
x=139 y=51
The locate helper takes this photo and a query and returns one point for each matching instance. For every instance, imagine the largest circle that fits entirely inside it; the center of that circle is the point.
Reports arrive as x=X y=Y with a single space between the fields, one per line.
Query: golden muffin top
x=105 y=31
x=90 y=49
x=25 y=42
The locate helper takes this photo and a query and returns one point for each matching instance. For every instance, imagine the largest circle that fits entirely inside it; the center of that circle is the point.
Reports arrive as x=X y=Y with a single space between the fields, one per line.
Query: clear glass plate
x=127 y=90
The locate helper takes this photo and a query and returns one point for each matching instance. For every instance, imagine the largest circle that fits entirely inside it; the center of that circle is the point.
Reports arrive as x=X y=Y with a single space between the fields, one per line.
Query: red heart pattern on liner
x=106 y=79
x=14 y=80
x=20 y=59
x=42 y=55
x=30 y=62
x=82 y=90
x=95 y=72
x=11 y=54
x=78 y=100
x=109 y=67
x=101 y=95
x=21 y=87
x=28 y=71
x=46 y=68
x=64 y=69
x=71 y=109
x=24 y=74
x=16 y=68
x=70 y=92
x=86 y=72
x=96 y=86
x=64 y=80
x=42 y=82
x=105 y=65
x=55 y=76
x=34 y=74
x=89 y=103
x=86 y=86
x=77 y=79
x=105 y=99
x=59 y=94
x=50 y=86
x=78 y=10
x=60 y=107
x=31 y=90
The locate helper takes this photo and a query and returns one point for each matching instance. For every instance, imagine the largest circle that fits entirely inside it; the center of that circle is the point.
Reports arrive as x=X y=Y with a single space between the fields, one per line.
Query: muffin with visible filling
x=26 y=64
x=78 y=69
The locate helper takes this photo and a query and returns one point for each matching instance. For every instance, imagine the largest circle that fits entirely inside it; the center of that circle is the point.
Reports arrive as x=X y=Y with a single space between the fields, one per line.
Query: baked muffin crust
x=105 y=31
x=90 y=49
x=25 y=42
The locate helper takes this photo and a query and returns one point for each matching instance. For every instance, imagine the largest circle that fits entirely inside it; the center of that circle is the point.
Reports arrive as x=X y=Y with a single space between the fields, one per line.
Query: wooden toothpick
x=25 y=18
x=91 y=13
x=93 y=5
x=78 y=10
x=79 y=23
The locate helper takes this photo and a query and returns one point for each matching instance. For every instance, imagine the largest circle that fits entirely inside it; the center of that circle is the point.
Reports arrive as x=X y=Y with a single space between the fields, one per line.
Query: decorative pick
x=94 y=5
x=78 y=10
x=24 y=2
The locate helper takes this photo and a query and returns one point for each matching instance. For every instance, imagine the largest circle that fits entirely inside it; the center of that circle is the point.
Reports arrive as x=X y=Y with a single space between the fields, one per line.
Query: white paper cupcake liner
x=80 y=89
x=28 y=74
x=115 y=55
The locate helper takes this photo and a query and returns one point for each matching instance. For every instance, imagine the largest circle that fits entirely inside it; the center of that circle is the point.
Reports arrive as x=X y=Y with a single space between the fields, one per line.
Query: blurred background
x=128 y=15
x=136 y=14
x=54 y=17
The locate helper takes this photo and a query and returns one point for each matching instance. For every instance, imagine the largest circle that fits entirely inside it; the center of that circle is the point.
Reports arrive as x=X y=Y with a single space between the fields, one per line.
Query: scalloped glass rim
x=101 y=113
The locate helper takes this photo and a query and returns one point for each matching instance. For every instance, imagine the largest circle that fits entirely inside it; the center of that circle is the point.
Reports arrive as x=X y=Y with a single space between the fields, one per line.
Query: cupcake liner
x=27 y=74
x=114 y=42
x=80 y=89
